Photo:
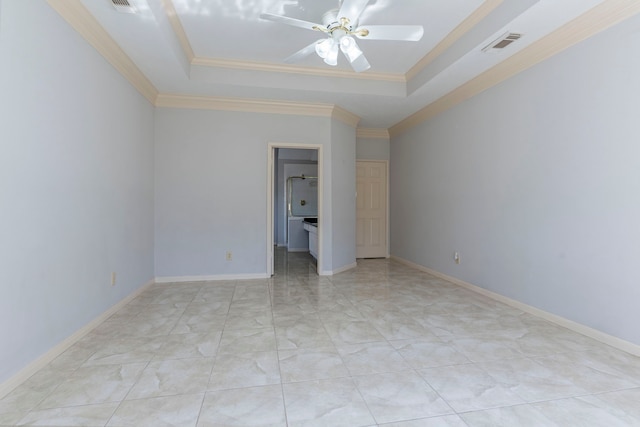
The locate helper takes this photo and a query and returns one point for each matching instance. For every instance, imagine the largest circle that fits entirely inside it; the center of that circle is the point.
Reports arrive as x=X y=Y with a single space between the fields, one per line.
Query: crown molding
x=597 y=19
x=244 y=105
x=464 y=27
x=257 y=106
x=178 y=29
x=372 y=133
x=74 y=12
x=293 y=69
x=345 y=116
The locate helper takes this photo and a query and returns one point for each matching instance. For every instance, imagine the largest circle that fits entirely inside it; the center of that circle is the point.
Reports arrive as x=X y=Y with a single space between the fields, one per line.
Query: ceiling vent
x=501 y=42
x=124 y=6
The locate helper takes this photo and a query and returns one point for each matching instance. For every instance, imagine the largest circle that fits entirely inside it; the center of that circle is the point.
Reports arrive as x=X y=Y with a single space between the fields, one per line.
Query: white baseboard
x=338 y=270
x=214 y=278
x=33 y=367
x=597 y=335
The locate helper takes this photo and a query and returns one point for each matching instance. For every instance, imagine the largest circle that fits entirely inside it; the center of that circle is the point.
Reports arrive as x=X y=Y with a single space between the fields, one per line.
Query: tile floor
x=382 y=344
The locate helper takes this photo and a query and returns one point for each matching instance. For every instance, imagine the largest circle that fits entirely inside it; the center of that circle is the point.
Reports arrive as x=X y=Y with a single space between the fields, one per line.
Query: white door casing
x=270 y=200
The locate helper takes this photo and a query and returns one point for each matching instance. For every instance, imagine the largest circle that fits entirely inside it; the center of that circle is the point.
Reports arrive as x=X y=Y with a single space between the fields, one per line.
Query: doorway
x=296 y=158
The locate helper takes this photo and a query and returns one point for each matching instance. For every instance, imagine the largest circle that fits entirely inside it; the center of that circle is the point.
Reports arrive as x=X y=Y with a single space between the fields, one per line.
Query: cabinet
x=297 y=240
x=313 y=238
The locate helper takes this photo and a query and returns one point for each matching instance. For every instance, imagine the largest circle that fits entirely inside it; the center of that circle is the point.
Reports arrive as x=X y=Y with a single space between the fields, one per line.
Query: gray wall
x=343 y=201
x=76 y=184
x=536 y=183
x=372 y=149
x=211 y=172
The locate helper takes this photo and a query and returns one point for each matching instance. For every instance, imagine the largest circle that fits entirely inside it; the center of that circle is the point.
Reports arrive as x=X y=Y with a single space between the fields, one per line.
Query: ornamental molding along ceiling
x=385 y=103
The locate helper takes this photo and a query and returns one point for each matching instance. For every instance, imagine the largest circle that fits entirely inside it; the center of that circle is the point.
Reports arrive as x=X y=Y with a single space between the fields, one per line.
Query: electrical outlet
x=113 y=278
x=456 y=257
x=229 y=256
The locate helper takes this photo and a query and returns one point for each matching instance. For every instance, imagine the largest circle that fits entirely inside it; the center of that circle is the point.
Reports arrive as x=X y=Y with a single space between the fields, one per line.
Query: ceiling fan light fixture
x=323 y=48
x=332 y=57
x=350 y=48
x=347 y=43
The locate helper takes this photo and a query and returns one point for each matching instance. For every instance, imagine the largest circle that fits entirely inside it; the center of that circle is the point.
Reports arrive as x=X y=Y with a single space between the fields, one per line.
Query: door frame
x=387 y=201
x=271 y=195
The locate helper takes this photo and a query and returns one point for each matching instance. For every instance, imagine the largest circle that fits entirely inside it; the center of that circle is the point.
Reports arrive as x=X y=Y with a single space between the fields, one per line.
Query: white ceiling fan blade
x=392 y=32
x=352 y=9
x=354 y=54
x=289 y=21
x=360 y=64
x=302 y=53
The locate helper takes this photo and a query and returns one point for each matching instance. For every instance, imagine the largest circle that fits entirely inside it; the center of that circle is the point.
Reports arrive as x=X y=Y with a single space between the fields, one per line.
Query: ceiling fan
x=340 y=26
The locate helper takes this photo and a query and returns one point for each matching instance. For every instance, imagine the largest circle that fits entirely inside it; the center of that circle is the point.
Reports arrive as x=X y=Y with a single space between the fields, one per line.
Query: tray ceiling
x=221 y=49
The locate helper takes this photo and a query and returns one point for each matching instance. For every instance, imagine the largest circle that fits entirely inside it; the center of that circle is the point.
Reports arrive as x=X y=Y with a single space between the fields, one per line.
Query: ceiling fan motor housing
x=332 y=22
x=330 y=18
x=341 y=28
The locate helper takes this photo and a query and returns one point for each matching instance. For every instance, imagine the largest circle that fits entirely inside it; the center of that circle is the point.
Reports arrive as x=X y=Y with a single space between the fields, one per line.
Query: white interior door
x=371 y=209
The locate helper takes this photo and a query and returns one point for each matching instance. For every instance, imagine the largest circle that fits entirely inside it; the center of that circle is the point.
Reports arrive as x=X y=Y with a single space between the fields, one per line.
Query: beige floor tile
x=32 y=392
x=421 y=354
x=94 y=384
x=585 y=411
x=532 y=381
x=302 y=335
x=400 y=396
x=332 y=402
x=244 y=407
x=468 y=388
x=237 y=370
x=183 y=346
x=625 y=400
x=126 y=350
x=171 y=411
x=381 y=340
x=82 y=416
x=520 y=415
x=247 y=340
x=444 y=421
x=173 y=377
x=372 y=358
x=311 y=364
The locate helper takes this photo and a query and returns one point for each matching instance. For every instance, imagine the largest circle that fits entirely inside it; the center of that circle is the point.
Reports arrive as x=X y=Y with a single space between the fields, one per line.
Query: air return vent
x=124 y=6
x=501 y=42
